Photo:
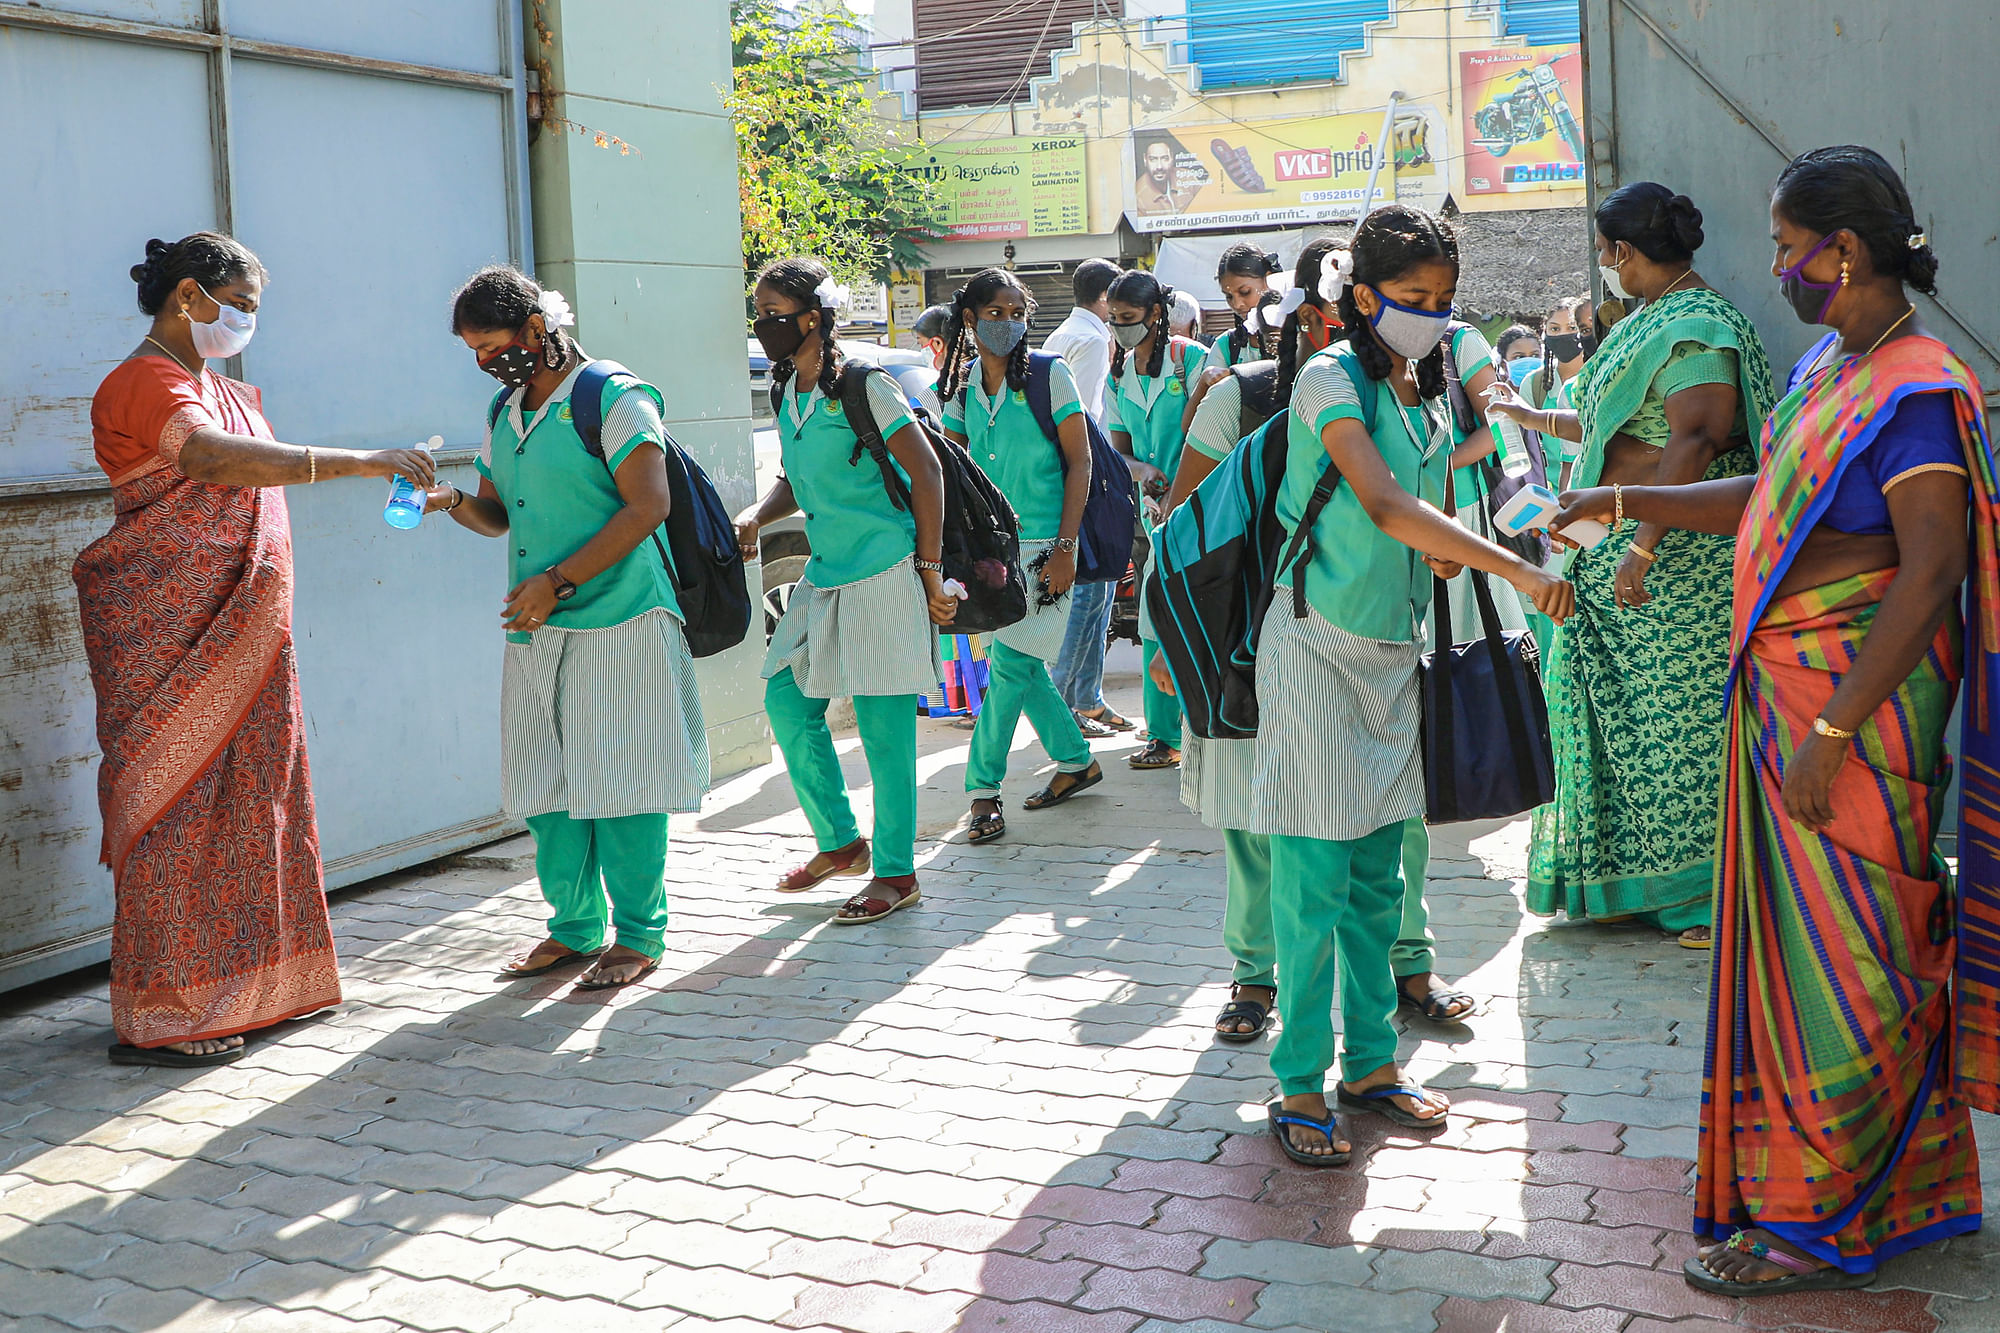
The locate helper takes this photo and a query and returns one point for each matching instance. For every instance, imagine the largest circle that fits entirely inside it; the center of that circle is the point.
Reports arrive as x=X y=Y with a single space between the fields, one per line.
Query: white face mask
x=1611 y=281
x=224 y=336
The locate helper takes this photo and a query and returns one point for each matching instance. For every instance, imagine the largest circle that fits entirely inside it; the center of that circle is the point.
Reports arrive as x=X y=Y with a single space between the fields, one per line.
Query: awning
x=1187 y=263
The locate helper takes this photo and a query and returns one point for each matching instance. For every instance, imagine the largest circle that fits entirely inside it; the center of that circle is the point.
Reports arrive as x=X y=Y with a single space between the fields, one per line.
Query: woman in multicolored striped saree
x=1853 y=1004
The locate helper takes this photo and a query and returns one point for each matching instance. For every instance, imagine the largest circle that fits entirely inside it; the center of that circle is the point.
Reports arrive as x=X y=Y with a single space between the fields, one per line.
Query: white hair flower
x=555 y=309
x=1294 y=298
x=1266 y=318
x=831 y=295
x=1336 y=272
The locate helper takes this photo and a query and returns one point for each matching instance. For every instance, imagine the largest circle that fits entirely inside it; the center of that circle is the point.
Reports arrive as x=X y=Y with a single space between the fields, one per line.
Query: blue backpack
x=1218 y=559
x=706 y=565
x=1104 y=538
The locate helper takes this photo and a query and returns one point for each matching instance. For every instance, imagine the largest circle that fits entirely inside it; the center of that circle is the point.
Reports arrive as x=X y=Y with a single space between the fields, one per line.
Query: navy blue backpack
x=705 y=563
x=1104 y=538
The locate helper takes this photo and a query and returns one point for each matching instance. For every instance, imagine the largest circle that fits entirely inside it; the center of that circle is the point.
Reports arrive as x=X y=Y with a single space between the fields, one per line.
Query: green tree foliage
x=818 y=170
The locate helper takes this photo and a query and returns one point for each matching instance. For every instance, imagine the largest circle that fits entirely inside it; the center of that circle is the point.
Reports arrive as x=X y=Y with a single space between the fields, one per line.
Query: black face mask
x=513 y=365
x=1564 y=346
x=779 y=335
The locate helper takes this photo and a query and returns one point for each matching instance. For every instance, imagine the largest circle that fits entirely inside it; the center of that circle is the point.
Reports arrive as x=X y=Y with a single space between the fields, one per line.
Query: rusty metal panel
x=1713 y=99
x=172 y=13
x=984 y=52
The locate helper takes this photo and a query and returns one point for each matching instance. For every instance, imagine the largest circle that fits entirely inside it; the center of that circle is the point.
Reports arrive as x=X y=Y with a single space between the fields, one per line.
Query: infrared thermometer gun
x=1535 y=507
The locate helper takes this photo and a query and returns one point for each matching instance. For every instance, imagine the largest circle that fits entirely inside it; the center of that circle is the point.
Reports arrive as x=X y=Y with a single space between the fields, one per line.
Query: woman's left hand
x=530 y=604
x=1808 y=790
x=1059 y=571
x=1630 y=584
x=943 y=607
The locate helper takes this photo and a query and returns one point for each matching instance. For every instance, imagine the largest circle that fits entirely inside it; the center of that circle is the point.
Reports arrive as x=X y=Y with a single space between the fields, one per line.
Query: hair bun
x=1273 y=264
x=156 y=255
x=1683 y=221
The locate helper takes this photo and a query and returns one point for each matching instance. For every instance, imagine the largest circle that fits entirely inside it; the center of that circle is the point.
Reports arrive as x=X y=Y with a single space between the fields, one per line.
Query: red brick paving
x=1461 y=1315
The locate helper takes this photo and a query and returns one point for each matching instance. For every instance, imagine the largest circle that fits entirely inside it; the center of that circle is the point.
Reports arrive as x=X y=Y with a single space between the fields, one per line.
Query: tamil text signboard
x=1256 y=174
x=995 y=189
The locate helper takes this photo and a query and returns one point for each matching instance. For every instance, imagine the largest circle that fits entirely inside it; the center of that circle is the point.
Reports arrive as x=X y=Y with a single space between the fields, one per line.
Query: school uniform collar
x=800 y=409
x=561 y=395
x=1142 y=389
x=976 y=396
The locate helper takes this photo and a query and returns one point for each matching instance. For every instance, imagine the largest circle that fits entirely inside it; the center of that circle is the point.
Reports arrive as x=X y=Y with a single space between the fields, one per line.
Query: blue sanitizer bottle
x=406 y=499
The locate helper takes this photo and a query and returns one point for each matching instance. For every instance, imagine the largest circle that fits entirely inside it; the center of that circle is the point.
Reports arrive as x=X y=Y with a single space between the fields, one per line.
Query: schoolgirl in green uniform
x=1339 y=771
x=861 y=620
x=601 y=733
x=984 y=388
x=1244 y=275
x=1216 y=775
x=1144 y=413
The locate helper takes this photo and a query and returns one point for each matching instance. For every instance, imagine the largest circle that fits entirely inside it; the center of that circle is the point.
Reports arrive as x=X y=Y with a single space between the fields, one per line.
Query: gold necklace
x=1892 y=328
x=196 y=375
x=1668 y=289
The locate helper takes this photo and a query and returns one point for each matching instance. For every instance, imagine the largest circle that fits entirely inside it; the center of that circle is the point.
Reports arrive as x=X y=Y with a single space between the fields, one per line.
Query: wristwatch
x=1066 y=544
x=564 y=588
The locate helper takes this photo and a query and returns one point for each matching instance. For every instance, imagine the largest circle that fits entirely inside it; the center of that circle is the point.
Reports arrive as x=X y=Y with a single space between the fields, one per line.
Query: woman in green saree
x=1635 y=679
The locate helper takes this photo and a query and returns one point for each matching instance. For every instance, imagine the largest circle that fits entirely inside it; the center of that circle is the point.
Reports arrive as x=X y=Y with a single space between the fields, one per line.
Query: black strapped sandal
x=986 y=828
x=1240 y=1010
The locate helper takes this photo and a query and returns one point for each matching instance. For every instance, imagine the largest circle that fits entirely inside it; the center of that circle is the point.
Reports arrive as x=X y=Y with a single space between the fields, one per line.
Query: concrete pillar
x=649 y=249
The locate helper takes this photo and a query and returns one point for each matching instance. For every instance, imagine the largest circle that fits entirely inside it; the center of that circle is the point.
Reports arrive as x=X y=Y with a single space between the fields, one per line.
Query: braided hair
x=1305 y=280
x=1854 y=188
x=961 y=353
x=209 y=257
x=501 y=297
x=1142 y=290
x=799 y=279
x=1391 y=241
x=1244 y=260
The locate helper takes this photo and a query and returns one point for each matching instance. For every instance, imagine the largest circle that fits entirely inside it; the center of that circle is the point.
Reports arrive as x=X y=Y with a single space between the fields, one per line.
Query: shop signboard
x=996 y=189
x=1522 y=130
x=1239 y=174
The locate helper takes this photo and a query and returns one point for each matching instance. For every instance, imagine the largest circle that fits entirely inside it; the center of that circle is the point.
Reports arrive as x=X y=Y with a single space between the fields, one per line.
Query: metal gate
x=373 y=154
x=1714 y=98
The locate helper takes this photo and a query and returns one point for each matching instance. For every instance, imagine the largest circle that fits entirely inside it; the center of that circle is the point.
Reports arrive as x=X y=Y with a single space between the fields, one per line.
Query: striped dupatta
x=1824 y=423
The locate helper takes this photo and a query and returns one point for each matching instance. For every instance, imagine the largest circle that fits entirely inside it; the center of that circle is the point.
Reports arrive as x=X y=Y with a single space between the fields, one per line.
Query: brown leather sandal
x=875 y=906
x=525 y=966
x=849 y=860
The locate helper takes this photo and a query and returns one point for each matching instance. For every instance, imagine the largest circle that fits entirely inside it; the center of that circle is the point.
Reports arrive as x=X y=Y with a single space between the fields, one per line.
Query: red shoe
x=849 y=860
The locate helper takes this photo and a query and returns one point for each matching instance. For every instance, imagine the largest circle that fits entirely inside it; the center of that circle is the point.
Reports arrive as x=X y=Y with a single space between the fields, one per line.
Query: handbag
x=1486 y=724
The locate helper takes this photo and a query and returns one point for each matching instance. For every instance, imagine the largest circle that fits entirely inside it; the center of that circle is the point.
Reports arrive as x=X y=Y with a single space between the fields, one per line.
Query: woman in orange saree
x=1856 y=981
x=220 y=924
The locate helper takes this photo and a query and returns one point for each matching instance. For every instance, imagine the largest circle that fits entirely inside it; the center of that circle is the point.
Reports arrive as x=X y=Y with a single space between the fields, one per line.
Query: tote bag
x=1486 y=724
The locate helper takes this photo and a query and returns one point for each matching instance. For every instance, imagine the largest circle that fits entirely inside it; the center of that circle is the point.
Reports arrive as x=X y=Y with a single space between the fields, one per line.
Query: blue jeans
x=1079 y=671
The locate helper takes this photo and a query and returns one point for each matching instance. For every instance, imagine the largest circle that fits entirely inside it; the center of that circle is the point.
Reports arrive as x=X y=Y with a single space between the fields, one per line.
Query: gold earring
x=1843 y=272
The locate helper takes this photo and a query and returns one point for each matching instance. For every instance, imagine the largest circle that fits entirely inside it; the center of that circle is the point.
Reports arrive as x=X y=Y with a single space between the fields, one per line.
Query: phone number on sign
x=1331 y=196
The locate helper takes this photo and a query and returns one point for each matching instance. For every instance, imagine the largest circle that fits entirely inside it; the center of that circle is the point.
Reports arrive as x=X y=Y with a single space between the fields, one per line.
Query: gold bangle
x=1642 y=553
x=1617 y=504
x=312 y=466
x=1822 y=727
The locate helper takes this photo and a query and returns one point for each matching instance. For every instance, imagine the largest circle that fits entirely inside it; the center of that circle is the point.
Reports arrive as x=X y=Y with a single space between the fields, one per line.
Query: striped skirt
x=1216 y=778
x=602 y=723
x=1041 y=633
x=1827 y=1112
x=1338 y=723
x=871 y=637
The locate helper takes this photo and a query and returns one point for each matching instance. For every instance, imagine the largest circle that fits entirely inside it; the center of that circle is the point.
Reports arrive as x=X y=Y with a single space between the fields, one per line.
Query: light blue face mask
x=1000 y=336
x=1407 y=331
x=1521 y=367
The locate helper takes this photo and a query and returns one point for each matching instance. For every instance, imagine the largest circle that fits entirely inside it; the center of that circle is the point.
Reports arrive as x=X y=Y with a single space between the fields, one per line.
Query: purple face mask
x=1792 y=282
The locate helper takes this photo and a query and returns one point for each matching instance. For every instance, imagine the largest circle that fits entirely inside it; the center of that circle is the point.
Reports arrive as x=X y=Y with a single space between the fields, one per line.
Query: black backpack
x=982 y=538
x=706 y=565
x=1104 y=536
x=1257 y=394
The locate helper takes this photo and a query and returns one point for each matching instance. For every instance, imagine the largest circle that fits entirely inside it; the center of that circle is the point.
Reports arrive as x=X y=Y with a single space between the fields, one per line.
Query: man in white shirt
x=1084 y=339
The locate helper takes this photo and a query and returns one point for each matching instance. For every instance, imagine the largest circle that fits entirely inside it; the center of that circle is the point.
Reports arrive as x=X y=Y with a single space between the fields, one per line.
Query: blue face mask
x=1521 y=367
x=1000 y=336
x=1407 y=331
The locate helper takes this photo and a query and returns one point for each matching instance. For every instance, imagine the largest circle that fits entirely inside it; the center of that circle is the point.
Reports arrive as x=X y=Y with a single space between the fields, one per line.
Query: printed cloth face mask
x=1407 y=331
x=513 y=365
x=1799 y=292
x=1000 y=336
x=225 y=335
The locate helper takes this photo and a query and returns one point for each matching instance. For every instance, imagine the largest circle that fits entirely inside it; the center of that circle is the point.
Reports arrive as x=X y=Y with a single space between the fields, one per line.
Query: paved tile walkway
x=998 y=1111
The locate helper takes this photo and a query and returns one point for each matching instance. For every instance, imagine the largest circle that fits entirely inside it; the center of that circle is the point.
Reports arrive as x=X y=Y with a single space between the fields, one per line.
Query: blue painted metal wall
x=1542 y=22
x=372 y=153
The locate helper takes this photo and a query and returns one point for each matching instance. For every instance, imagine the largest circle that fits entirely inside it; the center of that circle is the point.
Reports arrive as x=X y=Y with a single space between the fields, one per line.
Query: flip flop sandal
x=1279 y=1119
x=160 y=1056
x=1080 y=781
x=1157 y=754
x=1435 y=1006
x=987 y=828
x=1247 y=1010
x=569 y=956
x=801 y=877
x=875 y=907
x=1376 y=1102
x=1805 y=1277
x=1688 y=939
x=593 y=982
